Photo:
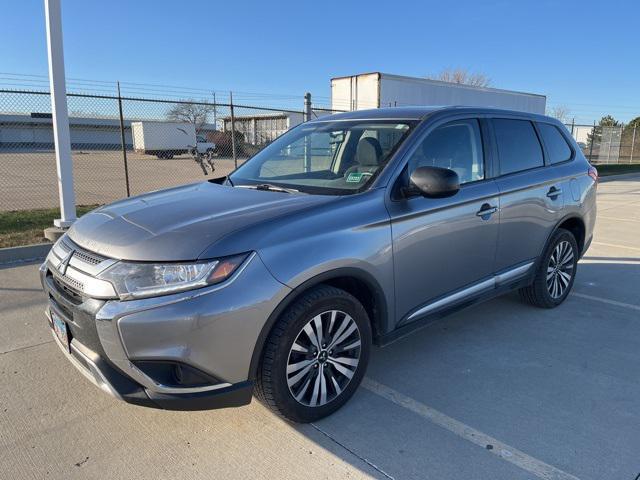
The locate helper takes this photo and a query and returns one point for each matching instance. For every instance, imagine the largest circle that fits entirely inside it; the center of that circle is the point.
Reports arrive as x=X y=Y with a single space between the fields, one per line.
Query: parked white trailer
x=166 y=139
x=376 y=90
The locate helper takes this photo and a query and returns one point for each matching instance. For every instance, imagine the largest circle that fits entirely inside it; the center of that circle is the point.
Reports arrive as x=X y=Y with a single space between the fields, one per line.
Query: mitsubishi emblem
x=64 y=263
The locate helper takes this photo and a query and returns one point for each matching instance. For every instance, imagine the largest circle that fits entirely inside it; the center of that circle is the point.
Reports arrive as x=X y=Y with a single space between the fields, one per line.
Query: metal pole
x=307 y=147
x=573 y=125
x=215 y=112
x=233 y=131
x=633 y=143
x=307 y=107
x=60 y=114
x=254 y=127
x=124 y=146
x=593 y=139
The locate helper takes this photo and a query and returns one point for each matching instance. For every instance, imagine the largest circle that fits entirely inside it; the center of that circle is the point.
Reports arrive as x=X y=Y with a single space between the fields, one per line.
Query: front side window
x=455 y=145
x=557 y=147
x=326 y=157
x=518 y=145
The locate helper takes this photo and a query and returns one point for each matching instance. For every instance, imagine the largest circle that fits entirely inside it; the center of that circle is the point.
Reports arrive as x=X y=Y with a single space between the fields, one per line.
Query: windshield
x=327 y=157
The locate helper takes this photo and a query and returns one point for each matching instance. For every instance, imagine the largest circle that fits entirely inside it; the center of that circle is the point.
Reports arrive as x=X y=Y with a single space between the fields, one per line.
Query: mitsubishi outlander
x=350 y=230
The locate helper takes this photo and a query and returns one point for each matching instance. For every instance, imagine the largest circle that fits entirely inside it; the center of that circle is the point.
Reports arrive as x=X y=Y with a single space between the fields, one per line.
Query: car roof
x=420 y=112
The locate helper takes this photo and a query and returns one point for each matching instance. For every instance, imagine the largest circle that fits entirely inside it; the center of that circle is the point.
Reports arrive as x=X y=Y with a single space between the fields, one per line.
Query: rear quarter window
x=557 y=147
x=518 y=145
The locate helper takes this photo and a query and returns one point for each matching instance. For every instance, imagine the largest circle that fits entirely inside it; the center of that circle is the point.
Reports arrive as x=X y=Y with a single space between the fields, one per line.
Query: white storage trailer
x=376 y=90
x=163 y=139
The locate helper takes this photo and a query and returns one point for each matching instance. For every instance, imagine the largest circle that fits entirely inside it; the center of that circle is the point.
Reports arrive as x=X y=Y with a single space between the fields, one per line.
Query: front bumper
x=213 y=330
x=102 y=374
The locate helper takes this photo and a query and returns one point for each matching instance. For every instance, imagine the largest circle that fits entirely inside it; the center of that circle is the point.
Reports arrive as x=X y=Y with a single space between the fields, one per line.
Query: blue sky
x=582 y=54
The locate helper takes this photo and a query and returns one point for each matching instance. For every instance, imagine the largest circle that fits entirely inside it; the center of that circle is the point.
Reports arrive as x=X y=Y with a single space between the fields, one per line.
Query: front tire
x=556 y=272
x=315 y=356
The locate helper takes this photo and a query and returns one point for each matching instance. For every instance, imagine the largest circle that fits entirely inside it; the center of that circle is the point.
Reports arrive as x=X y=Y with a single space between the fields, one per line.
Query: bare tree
x=560 y=112
x=190 y=111
x=463 y=77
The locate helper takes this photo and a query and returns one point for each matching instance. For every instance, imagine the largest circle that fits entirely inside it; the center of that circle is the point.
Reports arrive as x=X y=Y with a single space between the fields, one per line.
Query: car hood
x=180 y=223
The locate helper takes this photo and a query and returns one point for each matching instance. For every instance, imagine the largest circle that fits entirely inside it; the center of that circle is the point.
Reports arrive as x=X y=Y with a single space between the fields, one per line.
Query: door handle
x=486 y=210
x=554 y=192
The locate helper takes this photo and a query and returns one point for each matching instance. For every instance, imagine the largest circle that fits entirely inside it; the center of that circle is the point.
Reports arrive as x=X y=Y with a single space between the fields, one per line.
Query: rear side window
x=518 y=145
x=557 y=147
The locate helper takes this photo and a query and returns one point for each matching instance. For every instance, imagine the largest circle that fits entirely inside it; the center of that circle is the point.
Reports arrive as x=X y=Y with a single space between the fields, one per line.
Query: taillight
x=593 y=173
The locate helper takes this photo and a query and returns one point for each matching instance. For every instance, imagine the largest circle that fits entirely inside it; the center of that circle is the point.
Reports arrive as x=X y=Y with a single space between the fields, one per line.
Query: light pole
x=61 y=137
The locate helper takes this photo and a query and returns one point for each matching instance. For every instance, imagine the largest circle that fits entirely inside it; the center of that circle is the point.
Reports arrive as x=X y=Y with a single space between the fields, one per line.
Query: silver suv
x=346 y=231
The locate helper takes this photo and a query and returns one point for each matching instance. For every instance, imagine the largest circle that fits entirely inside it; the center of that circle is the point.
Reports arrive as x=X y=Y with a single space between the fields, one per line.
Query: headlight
x=138 y=280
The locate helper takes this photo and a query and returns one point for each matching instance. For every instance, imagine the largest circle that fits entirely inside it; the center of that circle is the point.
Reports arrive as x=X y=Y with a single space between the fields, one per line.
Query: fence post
x=307 y=107
x=609 y=146
x=307 y=147
x=124 y=145
x=233 y=131
x=215 y=112
x=593 y=139
x=633 y=143
x=573 y=125
x=254 y=127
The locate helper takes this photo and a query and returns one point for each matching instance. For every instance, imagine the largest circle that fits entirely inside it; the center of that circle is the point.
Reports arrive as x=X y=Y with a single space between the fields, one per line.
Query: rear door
x=531 y=196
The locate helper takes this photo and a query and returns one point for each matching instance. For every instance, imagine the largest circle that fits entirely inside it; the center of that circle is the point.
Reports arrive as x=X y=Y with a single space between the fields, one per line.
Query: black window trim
x=544 y=146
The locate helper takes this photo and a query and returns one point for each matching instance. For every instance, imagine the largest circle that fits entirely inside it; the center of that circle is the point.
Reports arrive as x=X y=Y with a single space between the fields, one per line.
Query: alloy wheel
x=323 y=358
x=560 y=269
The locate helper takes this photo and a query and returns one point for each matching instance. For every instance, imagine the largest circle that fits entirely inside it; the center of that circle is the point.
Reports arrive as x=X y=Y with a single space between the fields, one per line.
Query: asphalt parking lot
x=499 y=391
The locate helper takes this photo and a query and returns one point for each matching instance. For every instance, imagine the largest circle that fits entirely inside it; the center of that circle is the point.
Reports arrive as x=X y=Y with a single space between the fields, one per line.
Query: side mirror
x=433 y=182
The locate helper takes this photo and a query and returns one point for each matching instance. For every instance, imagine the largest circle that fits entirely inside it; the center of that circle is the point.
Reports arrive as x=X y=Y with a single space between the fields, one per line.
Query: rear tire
x=555 y=273
x=315 y=356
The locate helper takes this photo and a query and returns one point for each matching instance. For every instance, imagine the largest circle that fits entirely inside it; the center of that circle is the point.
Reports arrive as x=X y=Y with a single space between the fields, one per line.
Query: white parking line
x=615 y=245
x=609 y=261
x=619 y=219
x=506 y=452
x=607 y=301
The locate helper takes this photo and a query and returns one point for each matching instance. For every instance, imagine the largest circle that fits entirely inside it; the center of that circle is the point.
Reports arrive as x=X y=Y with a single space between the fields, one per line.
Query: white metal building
x=376 y=90
x=262 y=128
x=36 y=131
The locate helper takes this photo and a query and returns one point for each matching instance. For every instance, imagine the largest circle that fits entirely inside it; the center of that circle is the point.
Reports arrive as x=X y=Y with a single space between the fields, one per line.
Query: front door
x=445 y=245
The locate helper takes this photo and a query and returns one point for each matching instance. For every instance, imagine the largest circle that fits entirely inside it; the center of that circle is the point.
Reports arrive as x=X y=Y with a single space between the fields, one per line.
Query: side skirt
x=426 y=316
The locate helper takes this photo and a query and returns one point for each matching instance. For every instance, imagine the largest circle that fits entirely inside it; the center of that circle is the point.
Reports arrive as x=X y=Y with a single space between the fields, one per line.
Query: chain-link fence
x=602 y=144
x=125 y=146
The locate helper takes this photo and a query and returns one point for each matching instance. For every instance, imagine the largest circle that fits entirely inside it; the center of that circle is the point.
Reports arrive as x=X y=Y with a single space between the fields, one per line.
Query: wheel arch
x=577 y=227
x=362 y=285
x=573 y=223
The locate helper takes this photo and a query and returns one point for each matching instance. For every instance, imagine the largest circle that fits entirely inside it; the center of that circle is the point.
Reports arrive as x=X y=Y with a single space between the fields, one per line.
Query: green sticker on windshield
x=354 y=177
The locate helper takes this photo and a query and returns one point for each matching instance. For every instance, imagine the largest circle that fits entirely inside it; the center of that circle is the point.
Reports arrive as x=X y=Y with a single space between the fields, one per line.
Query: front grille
x=82 y=254
x=66 y=282
x=78 y=312
x=69 y=287
x=90 y=258
x=78 y=270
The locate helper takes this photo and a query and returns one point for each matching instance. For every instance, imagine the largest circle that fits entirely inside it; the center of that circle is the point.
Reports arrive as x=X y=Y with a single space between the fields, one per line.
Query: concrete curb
x=25 y=253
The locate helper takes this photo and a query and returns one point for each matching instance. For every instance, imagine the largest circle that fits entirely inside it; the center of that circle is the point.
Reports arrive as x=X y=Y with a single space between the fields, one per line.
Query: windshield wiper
x=270 y=187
